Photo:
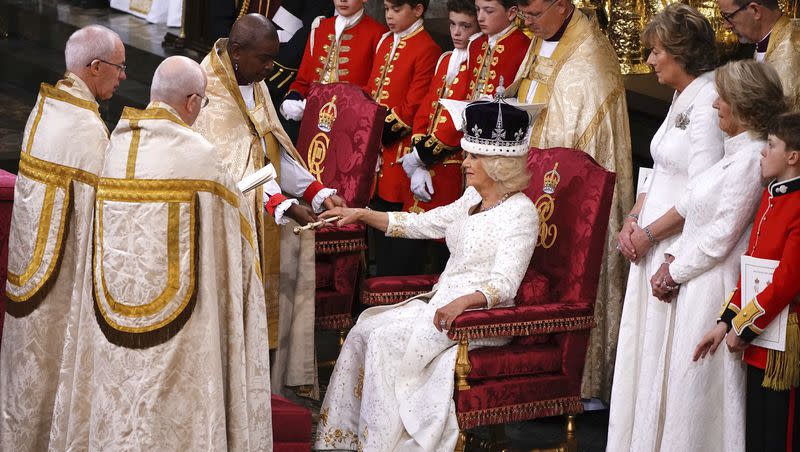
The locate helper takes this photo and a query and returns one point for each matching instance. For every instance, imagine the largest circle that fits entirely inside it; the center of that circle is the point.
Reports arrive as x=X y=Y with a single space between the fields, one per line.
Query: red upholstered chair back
x=7 y=181
x=340 y=138
x=573 y=195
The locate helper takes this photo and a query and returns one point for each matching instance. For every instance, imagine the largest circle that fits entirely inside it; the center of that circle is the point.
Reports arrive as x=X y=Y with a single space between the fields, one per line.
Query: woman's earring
x=236 y=67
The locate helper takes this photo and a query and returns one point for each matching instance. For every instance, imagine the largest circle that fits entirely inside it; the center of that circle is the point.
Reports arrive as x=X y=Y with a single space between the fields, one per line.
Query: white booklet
x=263 y=175
x=756 y=276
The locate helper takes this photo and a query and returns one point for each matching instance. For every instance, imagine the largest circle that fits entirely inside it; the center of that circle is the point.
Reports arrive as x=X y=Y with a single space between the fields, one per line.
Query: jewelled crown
x=495 y=128
x=327 y=114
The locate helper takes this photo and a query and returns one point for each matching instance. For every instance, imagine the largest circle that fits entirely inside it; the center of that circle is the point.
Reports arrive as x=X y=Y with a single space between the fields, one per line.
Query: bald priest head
x=180 y=83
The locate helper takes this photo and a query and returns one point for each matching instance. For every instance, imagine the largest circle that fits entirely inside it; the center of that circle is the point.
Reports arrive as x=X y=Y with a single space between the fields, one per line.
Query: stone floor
x=16 y=109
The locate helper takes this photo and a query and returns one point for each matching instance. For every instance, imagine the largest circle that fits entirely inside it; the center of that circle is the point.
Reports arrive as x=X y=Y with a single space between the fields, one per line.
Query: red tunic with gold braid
x=503 y=60
x=775 y=236
x=400 y=85
x=436 y=139
x=347 y=60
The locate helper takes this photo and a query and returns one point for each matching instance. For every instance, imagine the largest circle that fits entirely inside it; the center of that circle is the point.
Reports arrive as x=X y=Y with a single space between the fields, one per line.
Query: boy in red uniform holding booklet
x=772 y=376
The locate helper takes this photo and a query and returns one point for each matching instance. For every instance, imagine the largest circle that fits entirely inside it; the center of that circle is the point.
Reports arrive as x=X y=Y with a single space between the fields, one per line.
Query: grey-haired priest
x=399 y=357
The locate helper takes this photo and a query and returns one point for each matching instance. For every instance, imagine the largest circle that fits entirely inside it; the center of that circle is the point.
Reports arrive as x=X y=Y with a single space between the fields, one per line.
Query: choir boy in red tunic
x=339 y=49
x=404 y=63
x=772 y=376
x=499 y=51
x=434 y=165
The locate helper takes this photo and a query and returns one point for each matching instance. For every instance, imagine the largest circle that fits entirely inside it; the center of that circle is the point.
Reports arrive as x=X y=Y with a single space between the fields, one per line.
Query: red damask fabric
x=344 y=156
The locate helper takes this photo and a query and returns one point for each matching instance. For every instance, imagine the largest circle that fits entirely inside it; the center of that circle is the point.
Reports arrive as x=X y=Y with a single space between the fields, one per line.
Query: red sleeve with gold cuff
x=783 y=290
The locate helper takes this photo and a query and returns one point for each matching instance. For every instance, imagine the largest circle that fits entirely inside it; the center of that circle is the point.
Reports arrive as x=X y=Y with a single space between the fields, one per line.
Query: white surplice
x=392 y=387
x=687 y=143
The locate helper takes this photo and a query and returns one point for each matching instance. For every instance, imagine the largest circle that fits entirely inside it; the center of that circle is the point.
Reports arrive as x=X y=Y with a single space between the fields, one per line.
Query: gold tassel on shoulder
x=783 y=368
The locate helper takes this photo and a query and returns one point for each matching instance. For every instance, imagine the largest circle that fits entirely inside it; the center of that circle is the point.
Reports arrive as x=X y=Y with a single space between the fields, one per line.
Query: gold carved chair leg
x=461 y=444
x=571 y=441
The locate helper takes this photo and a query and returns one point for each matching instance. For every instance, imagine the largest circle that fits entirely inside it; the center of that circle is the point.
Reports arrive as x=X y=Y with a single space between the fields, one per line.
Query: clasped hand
x=663 y=286
x=633 y=241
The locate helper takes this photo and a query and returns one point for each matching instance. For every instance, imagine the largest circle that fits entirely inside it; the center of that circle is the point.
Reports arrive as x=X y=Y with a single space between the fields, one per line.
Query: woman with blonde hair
x=392 y=387
x=688 y=142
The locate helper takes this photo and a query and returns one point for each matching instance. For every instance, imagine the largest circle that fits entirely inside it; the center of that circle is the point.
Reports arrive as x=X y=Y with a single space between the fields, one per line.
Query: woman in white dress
x=392 y=387
x=703 y=402
x=688 y=142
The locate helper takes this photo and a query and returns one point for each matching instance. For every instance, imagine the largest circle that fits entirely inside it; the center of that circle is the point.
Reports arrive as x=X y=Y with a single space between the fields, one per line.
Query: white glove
x=293 y=109
x=411 y=162
x=422 y=184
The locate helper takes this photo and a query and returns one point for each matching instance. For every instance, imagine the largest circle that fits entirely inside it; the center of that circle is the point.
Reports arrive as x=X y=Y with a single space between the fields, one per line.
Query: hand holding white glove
x=293 y=109
x=422 y=184
x=411 y=162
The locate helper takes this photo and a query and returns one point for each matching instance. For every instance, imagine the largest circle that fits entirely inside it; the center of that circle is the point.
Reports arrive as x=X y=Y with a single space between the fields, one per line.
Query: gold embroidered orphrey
x=546 y=205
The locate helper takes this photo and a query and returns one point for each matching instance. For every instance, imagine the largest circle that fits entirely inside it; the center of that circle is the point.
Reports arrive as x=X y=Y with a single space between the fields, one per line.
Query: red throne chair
x=291 y=426
x=340 y=140
x=538 y=374
x=6 y=204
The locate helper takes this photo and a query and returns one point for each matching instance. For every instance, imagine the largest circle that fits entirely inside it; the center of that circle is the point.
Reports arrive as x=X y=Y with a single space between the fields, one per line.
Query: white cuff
x=282 y=208
x=271 y=188
x=320 y=197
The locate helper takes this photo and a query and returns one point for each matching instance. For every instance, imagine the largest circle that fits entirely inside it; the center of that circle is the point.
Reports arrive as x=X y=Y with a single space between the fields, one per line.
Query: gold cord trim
x=520 y=412
x=523 y=328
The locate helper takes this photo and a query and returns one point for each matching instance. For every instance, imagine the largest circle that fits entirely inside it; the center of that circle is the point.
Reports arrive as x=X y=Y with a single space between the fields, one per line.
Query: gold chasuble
x=581 y=85
x=48 y=261
x=171 y=348
x=783 y=53
x=236 y=133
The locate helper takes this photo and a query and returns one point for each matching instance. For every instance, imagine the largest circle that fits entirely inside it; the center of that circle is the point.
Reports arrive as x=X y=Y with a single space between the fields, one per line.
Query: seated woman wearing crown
x=392 y=387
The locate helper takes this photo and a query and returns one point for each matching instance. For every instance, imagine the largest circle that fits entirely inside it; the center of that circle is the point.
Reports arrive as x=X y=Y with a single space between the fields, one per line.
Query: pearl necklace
x=506 y=196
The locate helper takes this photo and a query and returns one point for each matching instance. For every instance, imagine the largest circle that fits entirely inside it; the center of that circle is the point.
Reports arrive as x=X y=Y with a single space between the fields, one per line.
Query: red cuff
x=312 y=191
x=273 y=202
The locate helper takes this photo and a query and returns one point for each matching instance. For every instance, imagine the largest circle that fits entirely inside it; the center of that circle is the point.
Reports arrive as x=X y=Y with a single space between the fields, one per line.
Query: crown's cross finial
x=498 y=134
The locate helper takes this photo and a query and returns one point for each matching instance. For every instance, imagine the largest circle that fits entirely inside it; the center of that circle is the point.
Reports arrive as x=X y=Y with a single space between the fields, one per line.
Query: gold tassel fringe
x=783 y=368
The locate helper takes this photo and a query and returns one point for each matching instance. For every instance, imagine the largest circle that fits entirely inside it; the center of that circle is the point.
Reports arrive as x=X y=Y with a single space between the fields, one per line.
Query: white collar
x=414 y=27
x=457 y=58
x=495 y=37
x=343 y=23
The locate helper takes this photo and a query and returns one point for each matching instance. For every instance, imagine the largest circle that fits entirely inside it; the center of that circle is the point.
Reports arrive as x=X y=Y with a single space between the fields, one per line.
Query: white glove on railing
x=422 y=184
x=411 y=162
x=293 y=109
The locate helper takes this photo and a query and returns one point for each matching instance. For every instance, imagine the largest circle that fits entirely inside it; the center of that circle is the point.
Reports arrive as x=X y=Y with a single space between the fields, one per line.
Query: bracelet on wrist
x=650 y=237
x=632 y=216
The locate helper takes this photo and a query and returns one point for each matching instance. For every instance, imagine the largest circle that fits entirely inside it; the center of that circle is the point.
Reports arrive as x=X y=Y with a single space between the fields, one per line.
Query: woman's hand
x=708 y=345
x=444 y=316
x=664 y=288
x=625 y=246
x=348 y=215
x=641 y=244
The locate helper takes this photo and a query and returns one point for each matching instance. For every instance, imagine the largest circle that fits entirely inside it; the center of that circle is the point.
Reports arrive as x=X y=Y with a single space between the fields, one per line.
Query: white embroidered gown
x=681 y=150
x=703 y=402
x=392 y=387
